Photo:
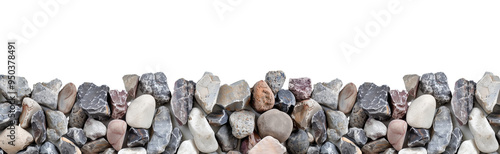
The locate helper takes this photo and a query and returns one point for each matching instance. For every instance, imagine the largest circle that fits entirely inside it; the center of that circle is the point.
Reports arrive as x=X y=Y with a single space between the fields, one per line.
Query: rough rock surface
x=162 y=129
x=301 y=88
x=327 y=94
x=303 y=112
x=94 y=100
x=442 y=129
x=337 y=124
x=373 y=99
x=45 y=93
x=262 y=97
x=118 y=103
x=182 y=100
x=297 y=142
x=487 y=92
x=462 y=101
x=242 y=123
x=437 y=86
x=155 y=85
x=275 y=80
x=375 y=129
x=411 y=85
x=234 y=97
x=207 y=90
x=398 y=103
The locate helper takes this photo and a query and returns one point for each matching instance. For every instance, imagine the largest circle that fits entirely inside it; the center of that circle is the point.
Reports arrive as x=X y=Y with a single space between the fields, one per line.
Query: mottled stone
x=421 y=112
x=48 y=148
x=411 y=85
x=442 y=129
x=53 y=137
x=96 y=146
x=347 y=97
x=337 y=124
x=284 y=101
x=418 y=137
x=276 y=124
x=487 y=92
x=30 y=107
x=297 y=142
x=137 y=137
x=358 y=117
x=234 y=97
x=494 y=119
x=226 y=139
x=66 y=146
x=155 y=85
x=204 y=136
x=77 y=135
x=66 y=98
x=300 y=87
x=131 y=81
x=207 y=90
x=218 y=118
x=327 y=94
x=141 y=111
x=6 y=118
x=249 y=142
x=116 y=133
x=484 y=136
x=456 y=139
x=468 y=147
x=313 y=149
x=182 y=100
x=175 y=141
x=136 y=150
x=389 y=151
x=29 y=150
x=118 y=103
x=94 y=129
x=398 y=103
x=376 y=146
x=357 y=135
x=437 y=86
x=262 y=97
x=22 y=88
x=328 y=148
x=347 y=146
x=275 y=80
x=415 y=150
x=303 y=112
x=108 y=151
x=318 y=127
x=463 y=100
x=22 y=138
x=396 y=133
x=77 y=117
x=57 y=121
x=162 y=129
x=94 y=100
x=187 y=147
x=374 y=100
x=375 y=129
x=242 y=123
x=45 y=93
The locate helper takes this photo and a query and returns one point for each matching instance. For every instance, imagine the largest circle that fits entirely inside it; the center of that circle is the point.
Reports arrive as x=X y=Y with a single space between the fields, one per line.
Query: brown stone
x=398 y=103
x=131 y=81
x=411 y=85
x=347 y=98
x=96 y=146
x=262 y=97
x=304 y=111
x=66 y=98
x=376 y=146
x=116 y=133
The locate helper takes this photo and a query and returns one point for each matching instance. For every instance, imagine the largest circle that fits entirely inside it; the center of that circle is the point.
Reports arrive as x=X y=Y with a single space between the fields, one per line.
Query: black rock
x=358 y=117
x=48 y=148
x=94 y=100
x=297 y=142
x=137 y=137
x=418 y=137
x=66 y=146
x=285 y=101
x=38 y=126
x=225 y=138
x=373 y=99
x=175 y=141
x=5 y=119
x=437 y=86
x=182 y=100
x=155 y=85
x=357 y=135
x=162 y=129
x=328 y=148
x=77 y=136
x=455 y=142
x=318 y=126
x=218 y=118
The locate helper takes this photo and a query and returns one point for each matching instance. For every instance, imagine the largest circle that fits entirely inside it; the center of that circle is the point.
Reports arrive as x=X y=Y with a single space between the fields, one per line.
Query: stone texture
x=131 y=81
x=347 y=98
x=22 y=139
x=275 y=80
x=94 y=100
x=487 y=91
x=276 y=124
x=297 y=142
x=313 y=149
x=347 y=146
x=373 y=99
x=218 y=118
x=22 y=88
x=249 y=142
x=411 y=84
x=207 y=90
x=300 y=87
x=437 y=86
x=116 y=133
x=268 y=145
x=226 y=139
x=137 y=137
x=66 y=98
x=303 y=112
x=187 y=147
x=463 y=100
x=77 y=117
x=175 y=141
x=234 y=97
x=57 y=121
x=357 y=135
x=94 y=129
x=182 y=100
x=421 y=112
x=48 y=148
x=118 y=103
x=327 y=94
x=337 y=124
x=53 y=137
x=358 y=117
x=418 y=137
x=398 y=103
x=5 y=114
x=284 y=101
x=242 y=123
x=484 y=136
x=375 y=129
x=468 y=147
x=376 y=146
x=141 y=111
x=456 y=139
x=203 y=134
x=396 y=133
x=38 y=127
x=77 y=136
x=162 y=129
x=262 y=97
x=155 y=85
x=108 y=151
x=66 y=146
x=416 y=150
x=328 y=148
x=136 y=150
x=96 y=146
x=318 y=127
x=494 y=119
x=45 y=93
x=29 y=150
x=442 y=129
x=390 y=151
x=30 y=107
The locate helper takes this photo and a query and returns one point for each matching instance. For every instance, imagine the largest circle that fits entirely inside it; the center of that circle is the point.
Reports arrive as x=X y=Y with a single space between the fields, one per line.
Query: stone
x=226 y=139
x=420 y=113
x=30 y=107
x=456 y=139
x=328 y=148
x=137 y=137
x=375 y=129
x=175 y=141
x=301 y=88
x=357 y=135
x=94 y=100
x=376 y=146
x=327 y=94
x=77 y=117
x=390 y=151
x=358 y=117
x=262 y=97
x=57 y=121
x=411 y=84
x=53 y=137
x=109 y=151
x=442 y=129
x=5 y=114
x=77 y=136
x=66 y=98
x=188 y=147
x=468 y=147
x=318 y=127
x=131 y=81
x=310 y=137
x=141 y=111
x=415 y=150
x=162 y=129
x=249 y=142
x=297 y=142
x=437 y=86
x=418 y=137
x=242 y=123
x=96 y=146
x=38 y=127
x=182 y=100
x=66 y=146
x=218 y=118
x=373 y=100
x=494 y=119
x=303 y=112
x=136 y=150
x=207 y=90
x=118 y=103
x=484 y=136
x=94 y=129
x=21 y=141
x=347 y=146
x=398 y=103
x=45 y=93
x=116 y=133
x=347 y=97
x=276 y=124
x=29 y=150
x=337 y=124
x=487 y=92
x=22 y=88
x=313 y=149
x=284 y=101
x=233 y=152
x=48 y=148
x=234 y=97
x=275 y=80
x=462 y=101
x=204 y=136
x=396 y=133
x=155 y=85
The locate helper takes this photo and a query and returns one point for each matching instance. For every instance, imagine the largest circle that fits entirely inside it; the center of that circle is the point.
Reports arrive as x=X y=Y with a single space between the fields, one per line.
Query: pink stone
x=118 y=103
x=301 y=88
x=268 y=145
x=116 y=133
x=396 y=133
x=399 y=104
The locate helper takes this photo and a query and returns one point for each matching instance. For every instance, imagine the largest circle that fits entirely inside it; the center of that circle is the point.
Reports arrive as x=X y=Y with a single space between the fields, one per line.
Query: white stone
x=207 y=90
x=268 y=145
x=187 y=147
x=22 y=139
x=484 y=136
x=203 y=135
x=487 y=91
x=417 y=150
x=375 y=129
x=136 y=150
x=421 y=112
x=141 y=111
x=468 y=147
x=94 y=129
x=30 y=107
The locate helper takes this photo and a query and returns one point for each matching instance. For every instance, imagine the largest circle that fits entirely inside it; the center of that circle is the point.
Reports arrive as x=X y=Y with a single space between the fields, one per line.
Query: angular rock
x=249 y=142
x=203 y=134
x=284 y=101
x=303 y=112
x=96 y=146
x=418 y=137
x=226 y=139
x=45 y=93
x=218 y=118
x=136 y=150
x=275 y=80
x=376 y=146
x=337 y=124
x=66 y=146
x=262 y=97
x=29 y=150
x=415 y=150
x=48 y=148
x=437 y=86
x=118 y=103
x=137 y=137
x=463 y=100
x=468 y=147
x=207 y=90
x=155 y=85
x=141 y=111
x=487 y=92
x=396 y=133
x=22 y=138
x=116 y=133
x=77 y=117
x=109 y=151
x=22 y=89
x=57 y=121
x=234 y=97
x=374 y=100
x=5 y=114
x=131 y=81
x=301 y=88
x=38 y=127
x=442 y=129
x=188 y=147
x=313 y=149
x=66 y=98
x=175 y=141
x=328 y=148
x=347 y=98
x=77 y=135
x=94 y=100
x=276 y=124
x=297 y=142
x=347 y=146
x=327 y=94
x=182 y=100
x=30 y=107
x=53 y=136
x=358 y=117
x=398 y=103
x=242 y=123
x=162 y=129
x=375 y=129
x=484 y=136
x=456 y=139
x=357 y=135
x=94 y=129
x=318 y=127
x=411 y=85
x=421 y=112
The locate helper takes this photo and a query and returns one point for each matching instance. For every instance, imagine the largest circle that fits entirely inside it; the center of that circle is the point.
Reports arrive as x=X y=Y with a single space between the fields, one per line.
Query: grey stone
x=297 y=142
x=38 y=127
x=66 y=146
x=437 y=86
x=348 y=147
x=48 y=148
x=275 y=80
x=390 y=151
x=218 y=118
x=96 y=146
x=207 y=90
x=242 y=123
x=318 y=127
x=301 y=88
x=57 y=121
x=45 y=93
x=94 y=129
x=358 y=117
x=375 y=129
x=328 y=148
x=5 y=114
x=94 y=100
x=77 y=135
x=456 y=140
x=373 y=99
x=357 y=135
x=77 y=117
x=137 y=137
x=418 y=137
x=442 y=129
x=276 y=124
x=182 y=100
x=162 y=129
x=29 y=150
x=411 y=85
x=284 y=101
x=53 y=136
x=131 y=81
x=109 y=151
x=376 y=146
x=313 y=149
x=21 y=87
x=155 y=85
x=327 y=94
x=462 y=101
x=175 y=141
x=234 y=97
x=487 y=92
x=337 y=124
x=225 y=138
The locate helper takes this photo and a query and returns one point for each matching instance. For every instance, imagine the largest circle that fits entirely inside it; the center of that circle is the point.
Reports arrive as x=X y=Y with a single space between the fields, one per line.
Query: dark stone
x=131 y=81
x=94 y=100
x=358 y=117
x=96 y=146
x=48 y=148
x=285 y=101
x=418 y=137
x=462 y=101
x=328 y=148
x=455 y=142
x=225 y=138
x=5 y=119
x=155 y=85
x=77 y=117
x=436 y=85
x=175 y=141
x=66 y=146
x=57 y=121
x=249 y=142
x=109 y=151
x=347 y=146
x=389 y=151
x=22 y=88
x=38 y=126
x=442 y=129
x=313 y=149
x=318 y=126
x=373 y=100
x=29 y=150
x=118 y=103
x=77 y=136
x=376 y=146
x=46 y=93
x=275 y=80
x=399 y=104
x=494 y=119
x=357 y=135
x=162 y=129
x=301 y=88
x=297 y=142
x=137 y=137
x=52 y=136
x=182 y=100
x=218 y=118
